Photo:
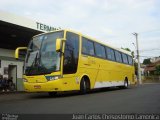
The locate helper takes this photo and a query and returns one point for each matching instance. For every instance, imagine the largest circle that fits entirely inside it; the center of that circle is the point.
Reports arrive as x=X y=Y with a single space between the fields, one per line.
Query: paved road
x=142 y=99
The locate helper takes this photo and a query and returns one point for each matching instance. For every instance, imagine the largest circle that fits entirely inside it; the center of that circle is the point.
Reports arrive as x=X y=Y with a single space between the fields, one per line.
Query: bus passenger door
x=70 y=62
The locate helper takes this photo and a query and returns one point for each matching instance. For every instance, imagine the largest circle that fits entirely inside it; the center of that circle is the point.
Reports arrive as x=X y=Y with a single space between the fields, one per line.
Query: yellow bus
x=65 y=60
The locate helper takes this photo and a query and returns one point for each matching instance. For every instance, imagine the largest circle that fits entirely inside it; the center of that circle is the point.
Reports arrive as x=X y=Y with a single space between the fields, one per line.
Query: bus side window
x=91 y=48
x=84 y=46
x=100 y=50
x=130 y=60
x=87 y=47
x=118 y=56
x=110 y=54
x=125 y=60
x=108 y=51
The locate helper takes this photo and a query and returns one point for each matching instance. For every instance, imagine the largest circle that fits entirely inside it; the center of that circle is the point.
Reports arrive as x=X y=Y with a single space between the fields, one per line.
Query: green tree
x=146 y=61
x=127 y=49
x=158 y=70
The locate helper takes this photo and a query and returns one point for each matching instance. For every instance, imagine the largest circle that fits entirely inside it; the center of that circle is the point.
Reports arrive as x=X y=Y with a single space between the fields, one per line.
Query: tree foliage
x=146 y=61
x=127 y=49
x=158 y=70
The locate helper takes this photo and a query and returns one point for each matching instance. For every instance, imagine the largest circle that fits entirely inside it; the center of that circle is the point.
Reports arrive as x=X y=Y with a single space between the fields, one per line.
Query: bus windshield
x=42 y=57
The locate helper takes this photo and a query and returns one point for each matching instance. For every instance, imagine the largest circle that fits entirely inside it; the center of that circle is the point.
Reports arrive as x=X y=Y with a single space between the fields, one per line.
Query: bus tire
x=84 y=86
x=52 y=94
x=125 y=84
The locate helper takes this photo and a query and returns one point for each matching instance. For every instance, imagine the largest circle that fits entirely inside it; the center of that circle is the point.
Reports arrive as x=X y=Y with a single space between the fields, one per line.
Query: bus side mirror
x=59 y=44
x=20 y=53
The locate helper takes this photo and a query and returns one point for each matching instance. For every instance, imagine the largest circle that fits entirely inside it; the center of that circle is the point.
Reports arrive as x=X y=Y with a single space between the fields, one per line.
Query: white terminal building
x=16 y=31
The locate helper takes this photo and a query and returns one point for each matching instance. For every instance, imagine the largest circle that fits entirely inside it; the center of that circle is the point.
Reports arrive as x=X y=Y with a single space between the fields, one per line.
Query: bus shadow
x=73 y=93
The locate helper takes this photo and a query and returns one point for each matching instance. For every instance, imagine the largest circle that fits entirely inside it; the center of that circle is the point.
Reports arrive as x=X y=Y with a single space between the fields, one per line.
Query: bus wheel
x=126 y=84
x=83 y=86
x=52 y=94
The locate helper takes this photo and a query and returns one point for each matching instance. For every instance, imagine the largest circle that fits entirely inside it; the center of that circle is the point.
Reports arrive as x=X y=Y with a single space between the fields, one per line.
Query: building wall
x=7 y=56
x=6 y=53
x=7 y=59
x=25 y=22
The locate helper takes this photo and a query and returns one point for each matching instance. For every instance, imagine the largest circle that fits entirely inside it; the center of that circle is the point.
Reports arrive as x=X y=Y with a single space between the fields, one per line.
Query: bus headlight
x=50 y=78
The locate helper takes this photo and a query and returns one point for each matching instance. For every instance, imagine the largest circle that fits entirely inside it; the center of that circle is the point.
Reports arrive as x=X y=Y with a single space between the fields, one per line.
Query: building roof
x=16 y=31
x=25 y=22
x=150 y=69
x=152 y=66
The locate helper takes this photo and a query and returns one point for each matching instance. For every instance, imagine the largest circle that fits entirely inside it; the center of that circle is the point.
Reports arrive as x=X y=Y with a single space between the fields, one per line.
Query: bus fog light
x=25 y=80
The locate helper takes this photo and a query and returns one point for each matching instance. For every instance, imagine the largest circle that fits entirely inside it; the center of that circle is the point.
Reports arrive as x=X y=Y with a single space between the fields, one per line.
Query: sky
x=109 y=21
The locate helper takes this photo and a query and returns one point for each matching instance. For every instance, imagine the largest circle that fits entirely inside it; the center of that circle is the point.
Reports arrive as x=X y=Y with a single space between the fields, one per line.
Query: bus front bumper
x=43 y=87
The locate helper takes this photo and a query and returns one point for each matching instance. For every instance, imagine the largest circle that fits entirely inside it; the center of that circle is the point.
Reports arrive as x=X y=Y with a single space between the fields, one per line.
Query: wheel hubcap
x=84 y=84
x=125 y=84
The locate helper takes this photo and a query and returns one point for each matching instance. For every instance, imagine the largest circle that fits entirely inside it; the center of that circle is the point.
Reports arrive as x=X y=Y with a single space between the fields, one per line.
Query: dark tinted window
x=71 y=53
x=100 y=50
x=125 y=60
x=118 y=56
x=110 y=54
x=130 y=60
x=87 y=47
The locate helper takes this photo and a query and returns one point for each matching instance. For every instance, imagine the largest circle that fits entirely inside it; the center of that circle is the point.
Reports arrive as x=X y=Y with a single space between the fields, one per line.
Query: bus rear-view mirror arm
x=17 y=51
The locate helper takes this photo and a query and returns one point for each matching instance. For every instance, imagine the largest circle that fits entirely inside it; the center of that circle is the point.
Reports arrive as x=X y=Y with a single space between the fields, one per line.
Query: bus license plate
x=37 y=86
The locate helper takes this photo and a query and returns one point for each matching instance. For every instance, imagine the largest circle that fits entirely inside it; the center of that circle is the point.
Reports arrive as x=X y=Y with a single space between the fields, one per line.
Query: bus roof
x=93 y=39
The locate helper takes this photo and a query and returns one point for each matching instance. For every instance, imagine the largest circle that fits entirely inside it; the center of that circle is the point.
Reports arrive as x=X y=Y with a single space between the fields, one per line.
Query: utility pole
x=139 y=68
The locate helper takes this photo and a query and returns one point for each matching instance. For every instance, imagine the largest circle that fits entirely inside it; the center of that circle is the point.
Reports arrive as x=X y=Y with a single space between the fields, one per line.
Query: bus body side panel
x=113 y=74
x=89 y=66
